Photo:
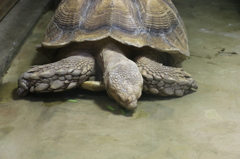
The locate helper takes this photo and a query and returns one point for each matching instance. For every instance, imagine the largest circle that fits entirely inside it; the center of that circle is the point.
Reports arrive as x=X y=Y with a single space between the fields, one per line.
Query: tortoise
x=129 y=46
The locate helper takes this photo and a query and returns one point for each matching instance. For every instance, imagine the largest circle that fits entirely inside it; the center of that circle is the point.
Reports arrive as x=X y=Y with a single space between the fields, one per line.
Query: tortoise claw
x=194 y=85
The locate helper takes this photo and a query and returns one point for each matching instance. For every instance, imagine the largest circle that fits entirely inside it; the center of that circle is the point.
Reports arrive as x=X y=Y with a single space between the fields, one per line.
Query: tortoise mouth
x=131 y=106
x=128 y=102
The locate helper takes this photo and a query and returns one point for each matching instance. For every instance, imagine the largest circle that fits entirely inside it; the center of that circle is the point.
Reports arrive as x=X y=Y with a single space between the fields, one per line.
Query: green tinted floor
x=200 y=125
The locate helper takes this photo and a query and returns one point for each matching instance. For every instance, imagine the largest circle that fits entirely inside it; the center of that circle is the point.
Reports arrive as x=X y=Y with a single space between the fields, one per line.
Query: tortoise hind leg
x=164 y=80
x=62 y=75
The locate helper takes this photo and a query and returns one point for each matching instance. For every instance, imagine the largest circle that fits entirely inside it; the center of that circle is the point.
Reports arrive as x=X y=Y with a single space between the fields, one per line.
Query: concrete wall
x=16 y=25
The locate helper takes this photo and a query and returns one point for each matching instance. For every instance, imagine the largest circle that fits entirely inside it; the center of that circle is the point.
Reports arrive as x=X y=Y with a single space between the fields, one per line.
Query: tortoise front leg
x=62 y=75
x=164 y=80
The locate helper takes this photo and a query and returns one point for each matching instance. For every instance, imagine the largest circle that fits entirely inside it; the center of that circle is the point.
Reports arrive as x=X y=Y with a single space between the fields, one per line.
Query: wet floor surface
x=79 y=124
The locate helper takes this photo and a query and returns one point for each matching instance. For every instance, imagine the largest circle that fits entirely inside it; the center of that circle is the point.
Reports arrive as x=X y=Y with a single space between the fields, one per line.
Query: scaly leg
x=164 y=80
x=62 y=75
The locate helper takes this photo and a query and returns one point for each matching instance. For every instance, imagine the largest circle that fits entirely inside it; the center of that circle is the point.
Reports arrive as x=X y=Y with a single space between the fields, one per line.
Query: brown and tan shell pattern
x=154 y=23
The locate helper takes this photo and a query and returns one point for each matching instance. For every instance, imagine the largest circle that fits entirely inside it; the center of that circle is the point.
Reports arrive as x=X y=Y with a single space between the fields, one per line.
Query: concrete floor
x=200 y=125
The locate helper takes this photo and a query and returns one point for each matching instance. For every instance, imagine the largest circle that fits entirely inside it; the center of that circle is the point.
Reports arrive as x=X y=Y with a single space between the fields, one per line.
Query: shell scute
x=154 y=23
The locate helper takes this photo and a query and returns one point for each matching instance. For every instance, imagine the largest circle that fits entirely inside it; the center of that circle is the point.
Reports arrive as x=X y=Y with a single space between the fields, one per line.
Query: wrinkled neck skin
x=109 y=54
x=96 y=47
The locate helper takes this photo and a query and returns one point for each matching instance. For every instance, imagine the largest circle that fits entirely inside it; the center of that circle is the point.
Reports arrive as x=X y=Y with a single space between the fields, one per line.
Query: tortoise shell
x=139 y=23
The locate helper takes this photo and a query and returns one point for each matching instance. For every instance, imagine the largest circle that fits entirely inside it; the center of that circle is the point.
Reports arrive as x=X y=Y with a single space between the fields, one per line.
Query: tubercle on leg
x=59 y=76
x=164 y=80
